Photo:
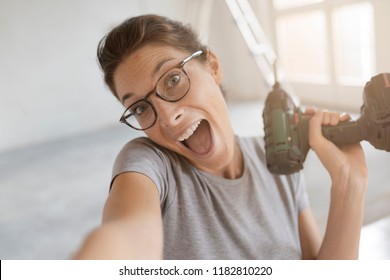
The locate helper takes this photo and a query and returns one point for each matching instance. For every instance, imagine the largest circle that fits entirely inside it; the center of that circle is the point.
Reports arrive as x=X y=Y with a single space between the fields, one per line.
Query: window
x=302 y=46
x=285 y=4
x=353 y=43
x=326 y=48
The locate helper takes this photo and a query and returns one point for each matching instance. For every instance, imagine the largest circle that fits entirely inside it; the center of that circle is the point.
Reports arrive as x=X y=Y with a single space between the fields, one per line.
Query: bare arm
x=132 y=224
x=309 y=235
x=348 y=172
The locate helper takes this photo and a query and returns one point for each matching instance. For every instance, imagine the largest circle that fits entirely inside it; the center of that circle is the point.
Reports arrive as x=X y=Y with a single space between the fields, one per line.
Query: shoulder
x=142 y=149
x=142 y=144
x=141 y=155
x=254 y=142
x=253 y=147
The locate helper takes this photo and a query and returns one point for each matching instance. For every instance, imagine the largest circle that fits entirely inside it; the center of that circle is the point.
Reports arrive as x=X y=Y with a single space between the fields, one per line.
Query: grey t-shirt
x=210 y=217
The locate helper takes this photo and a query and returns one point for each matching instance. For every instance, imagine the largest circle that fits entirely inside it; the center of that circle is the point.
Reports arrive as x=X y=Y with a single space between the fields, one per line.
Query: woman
x=192 y=189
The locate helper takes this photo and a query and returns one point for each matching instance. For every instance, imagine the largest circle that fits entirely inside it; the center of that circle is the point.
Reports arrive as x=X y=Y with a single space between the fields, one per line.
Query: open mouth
x=198 y=138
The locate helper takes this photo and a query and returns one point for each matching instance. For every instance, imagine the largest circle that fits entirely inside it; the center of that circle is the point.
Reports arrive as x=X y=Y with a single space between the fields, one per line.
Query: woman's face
x=197 y=126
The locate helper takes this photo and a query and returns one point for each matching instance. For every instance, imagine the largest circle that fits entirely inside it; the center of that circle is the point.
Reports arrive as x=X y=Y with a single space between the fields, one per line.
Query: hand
x=348 y=171
x=345 y=163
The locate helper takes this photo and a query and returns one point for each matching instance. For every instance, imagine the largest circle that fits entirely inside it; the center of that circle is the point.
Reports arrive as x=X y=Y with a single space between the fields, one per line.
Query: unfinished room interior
x=59 y=123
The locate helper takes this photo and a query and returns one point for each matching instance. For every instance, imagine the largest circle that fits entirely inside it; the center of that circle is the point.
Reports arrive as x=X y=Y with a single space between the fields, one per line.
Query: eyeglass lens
x=171 y=87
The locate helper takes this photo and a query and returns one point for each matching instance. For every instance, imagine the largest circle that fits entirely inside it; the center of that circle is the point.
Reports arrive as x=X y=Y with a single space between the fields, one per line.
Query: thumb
x=316 y=140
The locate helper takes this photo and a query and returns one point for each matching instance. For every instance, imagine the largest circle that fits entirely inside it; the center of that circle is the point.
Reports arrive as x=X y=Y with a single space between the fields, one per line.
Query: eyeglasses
x=172 y=86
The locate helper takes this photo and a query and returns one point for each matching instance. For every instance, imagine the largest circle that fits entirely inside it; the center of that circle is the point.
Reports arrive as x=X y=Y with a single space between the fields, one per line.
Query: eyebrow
x=156 y=69
x=160 y=65
x=126 y=96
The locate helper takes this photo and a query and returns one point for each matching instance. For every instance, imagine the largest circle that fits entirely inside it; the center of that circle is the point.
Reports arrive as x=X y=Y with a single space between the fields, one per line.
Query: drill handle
x=343 y=133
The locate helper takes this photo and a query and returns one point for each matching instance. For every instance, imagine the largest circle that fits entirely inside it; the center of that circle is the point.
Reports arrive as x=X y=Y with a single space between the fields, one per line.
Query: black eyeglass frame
x=180 y=65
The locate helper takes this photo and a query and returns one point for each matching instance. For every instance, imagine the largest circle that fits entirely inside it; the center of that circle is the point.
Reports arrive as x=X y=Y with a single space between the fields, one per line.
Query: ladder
x=255 y=38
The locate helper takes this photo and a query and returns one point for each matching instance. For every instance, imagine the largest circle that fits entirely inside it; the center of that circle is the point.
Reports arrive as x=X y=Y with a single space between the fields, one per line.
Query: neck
x=235 y=168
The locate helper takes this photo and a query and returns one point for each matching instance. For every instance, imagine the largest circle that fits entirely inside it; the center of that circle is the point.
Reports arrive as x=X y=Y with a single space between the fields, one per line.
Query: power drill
x=286 y=127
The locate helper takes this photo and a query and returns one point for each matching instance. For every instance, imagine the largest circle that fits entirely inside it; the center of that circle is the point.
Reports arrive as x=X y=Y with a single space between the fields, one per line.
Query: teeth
x=189 y=132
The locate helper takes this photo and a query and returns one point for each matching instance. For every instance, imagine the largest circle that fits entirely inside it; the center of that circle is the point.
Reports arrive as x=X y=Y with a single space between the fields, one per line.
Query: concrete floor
x=52 y=194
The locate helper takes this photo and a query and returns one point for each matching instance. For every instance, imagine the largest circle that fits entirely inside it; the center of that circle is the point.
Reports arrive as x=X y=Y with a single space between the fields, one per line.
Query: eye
x=139 y=109
x=173 y=85
x=172 y=79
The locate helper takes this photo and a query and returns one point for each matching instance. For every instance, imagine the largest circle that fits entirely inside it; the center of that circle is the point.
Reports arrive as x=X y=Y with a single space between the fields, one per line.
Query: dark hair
x=139 y=31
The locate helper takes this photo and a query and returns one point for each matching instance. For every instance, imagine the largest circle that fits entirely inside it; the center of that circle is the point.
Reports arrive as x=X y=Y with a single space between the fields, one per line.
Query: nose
x=168 y=113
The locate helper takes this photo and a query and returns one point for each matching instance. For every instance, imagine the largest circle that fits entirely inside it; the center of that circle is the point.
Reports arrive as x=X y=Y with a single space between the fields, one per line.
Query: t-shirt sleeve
x=140 y=155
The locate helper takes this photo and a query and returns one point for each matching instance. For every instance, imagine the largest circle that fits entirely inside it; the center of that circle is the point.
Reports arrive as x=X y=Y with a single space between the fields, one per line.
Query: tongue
x=200 y=141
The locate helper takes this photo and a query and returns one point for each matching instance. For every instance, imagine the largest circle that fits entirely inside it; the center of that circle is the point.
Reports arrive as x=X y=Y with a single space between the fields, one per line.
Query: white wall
x=382 y=38
x=50 y=83
x=51 y=86
x=242 y=78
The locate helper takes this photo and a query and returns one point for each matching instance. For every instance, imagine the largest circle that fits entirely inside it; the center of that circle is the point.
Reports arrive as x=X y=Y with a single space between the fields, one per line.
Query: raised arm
x=132 y=223
x=348 y=171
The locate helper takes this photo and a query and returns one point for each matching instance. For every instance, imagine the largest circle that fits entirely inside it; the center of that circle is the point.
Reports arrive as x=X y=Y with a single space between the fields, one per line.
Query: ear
x=215 y=67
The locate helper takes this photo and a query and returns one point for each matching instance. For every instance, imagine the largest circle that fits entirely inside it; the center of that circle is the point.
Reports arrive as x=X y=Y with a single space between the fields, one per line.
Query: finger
x=310 y=111
x=315 y=133
x=326 y=118
x=327 y=152
x=334 y=119
x=344 y=117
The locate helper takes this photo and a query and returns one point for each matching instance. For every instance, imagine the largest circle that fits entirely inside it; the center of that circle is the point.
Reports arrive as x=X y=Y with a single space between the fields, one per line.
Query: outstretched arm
x=132 y=224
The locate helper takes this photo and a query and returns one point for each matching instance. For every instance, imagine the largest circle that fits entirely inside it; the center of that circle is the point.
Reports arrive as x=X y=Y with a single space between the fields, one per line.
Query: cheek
x=206 y=94
x=205 y=90
x=154 y=134
x=157 y=136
